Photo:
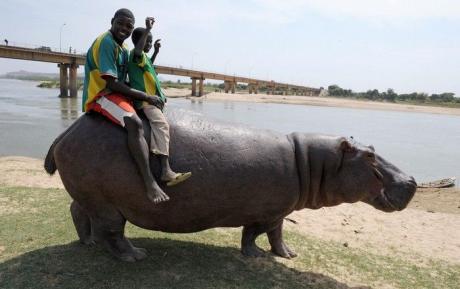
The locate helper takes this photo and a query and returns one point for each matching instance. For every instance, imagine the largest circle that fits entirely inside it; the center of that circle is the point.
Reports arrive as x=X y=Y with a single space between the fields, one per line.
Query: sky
x=406 y=45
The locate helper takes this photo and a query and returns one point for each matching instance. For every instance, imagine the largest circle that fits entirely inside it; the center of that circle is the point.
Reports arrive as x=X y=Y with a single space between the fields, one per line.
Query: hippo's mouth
x=388 y=201
x=383 y=202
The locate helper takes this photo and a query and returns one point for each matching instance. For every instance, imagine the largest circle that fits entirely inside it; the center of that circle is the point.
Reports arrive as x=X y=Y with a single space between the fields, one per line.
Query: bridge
x=69 y=62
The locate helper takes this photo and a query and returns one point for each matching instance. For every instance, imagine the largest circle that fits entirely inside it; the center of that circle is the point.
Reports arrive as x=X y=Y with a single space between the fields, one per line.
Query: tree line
x=391 y=96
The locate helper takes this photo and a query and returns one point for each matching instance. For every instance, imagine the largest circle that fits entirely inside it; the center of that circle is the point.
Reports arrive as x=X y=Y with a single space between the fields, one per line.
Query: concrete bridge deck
x=68 y=62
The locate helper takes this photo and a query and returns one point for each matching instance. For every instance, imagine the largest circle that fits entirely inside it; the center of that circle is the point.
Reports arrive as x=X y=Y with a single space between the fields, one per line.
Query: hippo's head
x=340 y=170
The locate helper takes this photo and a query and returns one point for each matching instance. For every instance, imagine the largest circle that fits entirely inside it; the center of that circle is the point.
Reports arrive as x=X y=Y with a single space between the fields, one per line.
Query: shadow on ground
x=171 y=264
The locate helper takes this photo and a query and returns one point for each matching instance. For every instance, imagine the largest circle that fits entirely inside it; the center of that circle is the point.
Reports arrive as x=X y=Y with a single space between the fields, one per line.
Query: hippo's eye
x=371 y=155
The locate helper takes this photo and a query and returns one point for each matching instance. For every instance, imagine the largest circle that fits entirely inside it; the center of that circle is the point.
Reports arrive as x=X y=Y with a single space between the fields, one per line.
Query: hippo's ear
x=346 y=146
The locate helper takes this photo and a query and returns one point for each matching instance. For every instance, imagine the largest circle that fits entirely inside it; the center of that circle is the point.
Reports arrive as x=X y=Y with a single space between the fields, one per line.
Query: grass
x=38 y=249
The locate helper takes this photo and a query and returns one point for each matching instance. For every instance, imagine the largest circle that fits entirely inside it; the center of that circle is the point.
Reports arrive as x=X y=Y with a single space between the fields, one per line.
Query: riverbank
x=314 y=101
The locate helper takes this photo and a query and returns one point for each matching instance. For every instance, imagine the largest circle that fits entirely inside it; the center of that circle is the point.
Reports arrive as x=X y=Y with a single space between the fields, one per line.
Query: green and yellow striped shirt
x=105 y=58
x=143 y=77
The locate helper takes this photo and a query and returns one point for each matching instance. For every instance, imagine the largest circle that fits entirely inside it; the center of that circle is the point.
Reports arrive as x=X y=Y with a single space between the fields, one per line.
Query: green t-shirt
x=142 y=76
x=104 y=58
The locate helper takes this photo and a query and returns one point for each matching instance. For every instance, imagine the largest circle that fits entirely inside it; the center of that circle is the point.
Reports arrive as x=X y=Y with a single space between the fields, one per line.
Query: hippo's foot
x=121 y=248
x=136 y=254
x=275 y=237
x=283 y=250
x=252 y=251
x=88 y=242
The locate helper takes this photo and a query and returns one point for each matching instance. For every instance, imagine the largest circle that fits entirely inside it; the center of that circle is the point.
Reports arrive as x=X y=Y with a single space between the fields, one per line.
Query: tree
x=372 y=94
x=390 y=95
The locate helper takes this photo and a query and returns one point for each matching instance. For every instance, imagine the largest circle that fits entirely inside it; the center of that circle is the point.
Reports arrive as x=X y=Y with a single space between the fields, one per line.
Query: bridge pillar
x=200 y=92
x=233 y=84
x=193 y=86
x=64 y=79
x=256 y=88
x=250 y=88
x=226 y=86
x=73 y=80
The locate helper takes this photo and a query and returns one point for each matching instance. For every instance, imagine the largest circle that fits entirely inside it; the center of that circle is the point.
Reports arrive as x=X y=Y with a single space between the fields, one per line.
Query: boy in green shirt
x=142 y=76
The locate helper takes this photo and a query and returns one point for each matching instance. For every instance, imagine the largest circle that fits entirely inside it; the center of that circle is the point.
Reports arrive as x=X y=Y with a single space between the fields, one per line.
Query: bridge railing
x=41 y=47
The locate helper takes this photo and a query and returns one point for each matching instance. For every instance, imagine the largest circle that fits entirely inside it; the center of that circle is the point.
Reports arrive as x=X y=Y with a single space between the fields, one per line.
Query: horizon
x=179 y=79
x=409 y=46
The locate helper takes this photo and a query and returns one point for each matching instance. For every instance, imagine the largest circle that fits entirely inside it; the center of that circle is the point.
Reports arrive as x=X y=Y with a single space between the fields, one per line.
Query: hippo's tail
x=50 y=164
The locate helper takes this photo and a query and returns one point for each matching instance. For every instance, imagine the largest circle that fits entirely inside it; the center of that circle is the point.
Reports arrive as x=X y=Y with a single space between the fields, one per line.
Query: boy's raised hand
x=157 y=45
x=149 y=22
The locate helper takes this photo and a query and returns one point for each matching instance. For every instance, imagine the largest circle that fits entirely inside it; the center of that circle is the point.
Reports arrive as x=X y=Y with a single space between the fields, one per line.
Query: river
x=423 y=145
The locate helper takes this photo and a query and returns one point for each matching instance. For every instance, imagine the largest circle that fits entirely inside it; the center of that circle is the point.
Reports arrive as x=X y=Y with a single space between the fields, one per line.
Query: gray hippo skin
x=241 y=177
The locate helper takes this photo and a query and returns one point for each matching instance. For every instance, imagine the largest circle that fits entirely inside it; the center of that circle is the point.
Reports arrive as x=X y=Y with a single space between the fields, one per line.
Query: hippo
x=242 y=176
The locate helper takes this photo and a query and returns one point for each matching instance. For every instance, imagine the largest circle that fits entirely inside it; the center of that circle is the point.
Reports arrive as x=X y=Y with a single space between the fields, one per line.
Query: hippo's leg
x=82 y=223
x=109 y=230
x=250 y=234
x=275 y=237
x=248 y=241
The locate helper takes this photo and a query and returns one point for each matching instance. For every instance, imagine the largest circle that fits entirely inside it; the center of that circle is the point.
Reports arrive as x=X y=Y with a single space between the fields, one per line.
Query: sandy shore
x=313 y=100
x=428 y=229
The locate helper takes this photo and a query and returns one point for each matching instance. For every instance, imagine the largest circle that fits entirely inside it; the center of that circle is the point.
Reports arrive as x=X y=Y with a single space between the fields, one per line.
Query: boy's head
x=122 y=25
x=137 y=34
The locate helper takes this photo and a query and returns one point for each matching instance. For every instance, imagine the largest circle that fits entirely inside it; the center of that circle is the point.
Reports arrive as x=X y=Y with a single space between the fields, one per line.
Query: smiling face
x=122 y=27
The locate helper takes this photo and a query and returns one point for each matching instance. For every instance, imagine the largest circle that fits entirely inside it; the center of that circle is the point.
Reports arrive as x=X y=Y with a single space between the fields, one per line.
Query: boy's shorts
x=114 y=106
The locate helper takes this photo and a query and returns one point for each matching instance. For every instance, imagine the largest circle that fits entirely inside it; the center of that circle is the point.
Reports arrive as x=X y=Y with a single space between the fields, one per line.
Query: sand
x=428 y=229
x=313 y=100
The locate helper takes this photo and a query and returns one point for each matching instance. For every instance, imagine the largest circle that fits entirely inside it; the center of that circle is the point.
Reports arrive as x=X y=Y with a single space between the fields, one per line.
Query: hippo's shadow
x=171 y=264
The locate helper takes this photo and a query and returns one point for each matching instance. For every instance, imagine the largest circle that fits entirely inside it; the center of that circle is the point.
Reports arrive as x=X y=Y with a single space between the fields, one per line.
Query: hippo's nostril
x=412 y=181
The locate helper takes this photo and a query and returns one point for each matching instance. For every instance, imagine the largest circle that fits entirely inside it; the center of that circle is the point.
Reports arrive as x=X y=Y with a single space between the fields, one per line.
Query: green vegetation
x=443 y=99
x=56 y=84
x=48 y=84
x=38 y=249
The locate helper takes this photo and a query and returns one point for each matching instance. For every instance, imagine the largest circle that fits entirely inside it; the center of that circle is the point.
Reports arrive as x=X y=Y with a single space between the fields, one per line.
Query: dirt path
x=429 y=228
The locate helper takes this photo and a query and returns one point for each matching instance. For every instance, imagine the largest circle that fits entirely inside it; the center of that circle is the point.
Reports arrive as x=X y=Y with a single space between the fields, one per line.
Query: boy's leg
x=139 y=150
x=159 y=130
x=116 y=108
x=159 y=141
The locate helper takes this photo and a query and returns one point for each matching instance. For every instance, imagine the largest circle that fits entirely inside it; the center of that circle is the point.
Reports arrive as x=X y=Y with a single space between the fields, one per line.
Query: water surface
x=423 y=145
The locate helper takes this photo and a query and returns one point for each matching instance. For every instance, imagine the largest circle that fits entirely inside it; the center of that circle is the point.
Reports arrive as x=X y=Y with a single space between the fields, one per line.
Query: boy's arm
x=141 y=43
x=132 y=93
x=156 y=46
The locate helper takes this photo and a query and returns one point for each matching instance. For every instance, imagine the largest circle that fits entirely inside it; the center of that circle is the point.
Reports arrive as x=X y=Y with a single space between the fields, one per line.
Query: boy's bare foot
x=156 y=195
